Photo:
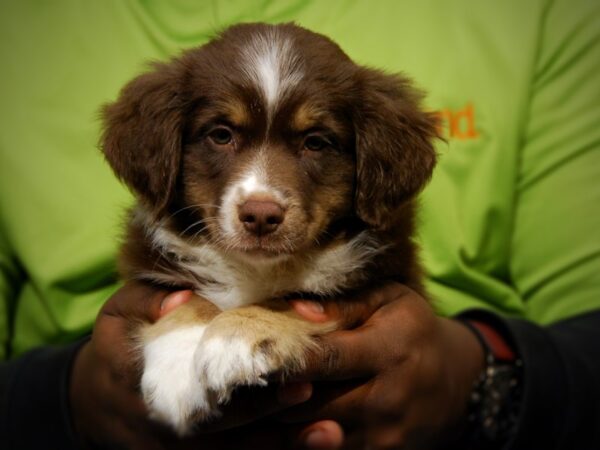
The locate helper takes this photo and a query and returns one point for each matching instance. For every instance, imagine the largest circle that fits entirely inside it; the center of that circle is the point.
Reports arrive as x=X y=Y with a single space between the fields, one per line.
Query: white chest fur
x=230 y=281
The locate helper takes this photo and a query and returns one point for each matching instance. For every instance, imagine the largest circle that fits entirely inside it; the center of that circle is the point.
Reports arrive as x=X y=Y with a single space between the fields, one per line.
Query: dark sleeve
x=34 y=405
x=560 y=408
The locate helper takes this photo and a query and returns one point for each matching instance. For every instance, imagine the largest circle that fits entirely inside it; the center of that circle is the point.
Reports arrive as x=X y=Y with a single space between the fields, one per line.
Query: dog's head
x=267 y=138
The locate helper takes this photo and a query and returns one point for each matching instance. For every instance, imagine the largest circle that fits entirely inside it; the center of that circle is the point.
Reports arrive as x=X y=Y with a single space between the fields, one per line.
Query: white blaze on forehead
x=271 y=63
x=252 y=184
x=255 y=179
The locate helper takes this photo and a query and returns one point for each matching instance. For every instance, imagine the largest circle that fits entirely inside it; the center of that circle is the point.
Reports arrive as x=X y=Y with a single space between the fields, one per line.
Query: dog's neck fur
x=230 y=280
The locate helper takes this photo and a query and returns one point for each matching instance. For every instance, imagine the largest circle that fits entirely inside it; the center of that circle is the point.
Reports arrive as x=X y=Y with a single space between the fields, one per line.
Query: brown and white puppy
x=266 y=164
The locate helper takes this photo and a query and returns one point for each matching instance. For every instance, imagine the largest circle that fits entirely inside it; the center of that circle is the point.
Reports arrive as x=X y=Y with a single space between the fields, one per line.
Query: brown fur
x=160 y=139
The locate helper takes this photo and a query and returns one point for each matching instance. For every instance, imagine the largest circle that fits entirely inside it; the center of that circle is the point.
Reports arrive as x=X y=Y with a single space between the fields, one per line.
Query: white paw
x=227 y=362
x=170 y=384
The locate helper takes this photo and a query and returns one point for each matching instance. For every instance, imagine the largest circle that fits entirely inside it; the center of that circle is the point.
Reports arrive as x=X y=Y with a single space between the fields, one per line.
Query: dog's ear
x=394 y=146
x=142 y=135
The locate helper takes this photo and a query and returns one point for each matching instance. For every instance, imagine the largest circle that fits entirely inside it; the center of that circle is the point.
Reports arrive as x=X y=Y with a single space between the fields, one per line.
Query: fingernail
x=316 y=439
x=308 y=307
x=174 y=300
x=294 y=393
x=316 y=307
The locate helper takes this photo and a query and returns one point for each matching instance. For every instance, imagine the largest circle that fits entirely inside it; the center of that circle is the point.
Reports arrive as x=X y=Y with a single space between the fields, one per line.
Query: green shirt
x=510 y=221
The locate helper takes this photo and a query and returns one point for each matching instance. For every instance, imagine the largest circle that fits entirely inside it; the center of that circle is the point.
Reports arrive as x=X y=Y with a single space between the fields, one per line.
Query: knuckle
x=331 y=358
x=388 y=441
x=387 y=405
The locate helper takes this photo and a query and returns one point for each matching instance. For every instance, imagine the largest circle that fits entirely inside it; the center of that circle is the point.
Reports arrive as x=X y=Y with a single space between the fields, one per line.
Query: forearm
x=34 y=409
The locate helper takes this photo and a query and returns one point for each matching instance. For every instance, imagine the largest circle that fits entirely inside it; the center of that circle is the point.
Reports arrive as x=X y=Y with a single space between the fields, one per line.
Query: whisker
x=198 y=222
x=197 y=233
x=196 y=205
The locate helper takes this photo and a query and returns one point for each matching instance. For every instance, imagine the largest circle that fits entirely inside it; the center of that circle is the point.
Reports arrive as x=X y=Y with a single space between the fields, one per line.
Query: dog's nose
x=260 y=217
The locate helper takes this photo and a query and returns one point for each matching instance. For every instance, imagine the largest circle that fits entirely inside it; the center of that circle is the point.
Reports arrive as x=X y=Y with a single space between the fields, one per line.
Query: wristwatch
x=495 y=400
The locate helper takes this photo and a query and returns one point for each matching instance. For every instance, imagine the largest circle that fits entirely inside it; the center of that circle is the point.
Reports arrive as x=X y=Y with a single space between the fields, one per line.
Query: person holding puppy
x=508 y=232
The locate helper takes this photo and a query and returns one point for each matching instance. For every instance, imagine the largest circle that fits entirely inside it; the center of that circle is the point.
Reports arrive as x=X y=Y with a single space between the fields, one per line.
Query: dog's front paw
x=245 y=346
x=171 y=385
x=225 y=362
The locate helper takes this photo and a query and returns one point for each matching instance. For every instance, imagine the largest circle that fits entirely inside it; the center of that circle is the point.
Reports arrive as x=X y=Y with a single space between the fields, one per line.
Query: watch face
x=495 y=401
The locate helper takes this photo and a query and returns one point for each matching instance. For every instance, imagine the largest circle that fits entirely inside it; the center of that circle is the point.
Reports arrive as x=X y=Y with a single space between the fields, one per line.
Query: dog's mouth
x=268 y=248
x=263 y=248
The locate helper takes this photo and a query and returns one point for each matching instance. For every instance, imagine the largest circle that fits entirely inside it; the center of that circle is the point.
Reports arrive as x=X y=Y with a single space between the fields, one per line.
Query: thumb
x=322 y=435
x=349 y=312
x=137 y=301
x=173 y=300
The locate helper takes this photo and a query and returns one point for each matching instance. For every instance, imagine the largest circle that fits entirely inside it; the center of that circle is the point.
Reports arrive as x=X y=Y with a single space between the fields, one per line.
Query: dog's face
x=267 y=139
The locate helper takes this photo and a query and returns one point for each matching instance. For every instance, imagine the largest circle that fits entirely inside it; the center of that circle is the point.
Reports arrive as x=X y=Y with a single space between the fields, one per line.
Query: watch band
x=494 y=404
x=493 y=341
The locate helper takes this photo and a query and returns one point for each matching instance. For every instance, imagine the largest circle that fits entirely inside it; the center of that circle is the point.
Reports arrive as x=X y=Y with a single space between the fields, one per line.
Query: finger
x=262 y=435
x=388 y=435
x=131 y=431
x=322 y=435
x=350 y=312
x=344 y=402
x=253 y=403
x=135 y=300
x=311 y=310
x=355 y=440
x=344 y=355
x=133 y=304
x=365 y=350
x=293 y=393
x=347 y=313
x=173 y=300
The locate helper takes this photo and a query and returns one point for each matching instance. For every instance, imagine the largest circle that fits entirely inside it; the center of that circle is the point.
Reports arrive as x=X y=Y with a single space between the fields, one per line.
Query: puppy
x=266 y=165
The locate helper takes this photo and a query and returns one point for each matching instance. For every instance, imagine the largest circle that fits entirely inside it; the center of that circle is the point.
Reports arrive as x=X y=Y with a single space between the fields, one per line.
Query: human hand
x=107 y=409
x=400 y=377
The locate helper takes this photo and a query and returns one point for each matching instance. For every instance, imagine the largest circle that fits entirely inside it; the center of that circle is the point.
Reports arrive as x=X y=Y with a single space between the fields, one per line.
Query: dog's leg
x=243 y=346
x=170 y=384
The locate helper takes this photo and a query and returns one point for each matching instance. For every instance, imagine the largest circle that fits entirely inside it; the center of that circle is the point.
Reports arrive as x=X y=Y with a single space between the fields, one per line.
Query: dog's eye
x=221 y=135
x=315 y=143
